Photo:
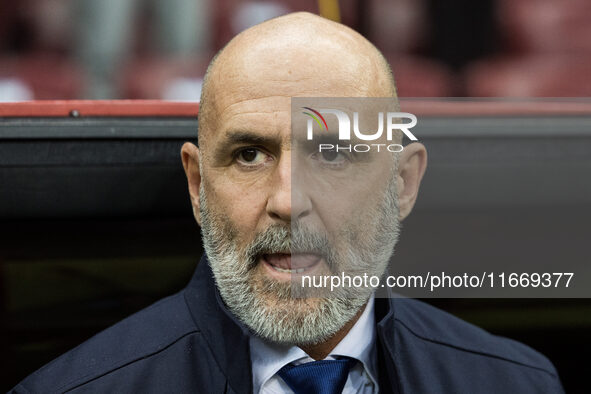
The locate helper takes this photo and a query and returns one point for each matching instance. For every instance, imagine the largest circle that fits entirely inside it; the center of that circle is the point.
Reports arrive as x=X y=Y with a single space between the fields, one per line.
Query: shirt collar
x=359 y=343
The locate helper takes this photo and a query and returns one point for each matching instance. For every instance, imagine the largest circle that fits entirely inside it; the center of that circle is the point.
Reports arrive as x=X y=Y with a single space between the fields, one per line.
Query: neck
x=319 y=351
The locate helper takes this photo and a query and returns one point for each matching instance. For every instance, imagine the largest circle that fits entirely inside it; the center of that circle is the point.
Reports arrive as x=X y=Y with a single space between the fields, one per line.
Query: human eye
x=251 y=157
x=331 y=158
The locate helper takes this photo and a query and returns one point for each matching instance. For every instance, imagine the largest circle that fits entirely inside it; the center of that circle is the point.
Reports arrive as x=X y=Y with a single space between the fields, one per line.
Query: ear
x=190 y=158
x=411 y=168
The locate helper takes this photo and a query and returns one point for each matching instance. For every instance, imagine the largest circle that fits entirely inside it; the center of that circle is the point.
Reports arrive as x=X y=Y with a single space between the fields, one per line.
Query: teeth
x=296 y=271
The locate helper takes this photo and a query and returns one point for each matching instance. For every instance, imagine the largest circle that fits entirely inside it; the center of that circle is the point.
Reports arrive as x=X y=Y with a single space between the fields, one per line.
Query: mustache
x=294 y=239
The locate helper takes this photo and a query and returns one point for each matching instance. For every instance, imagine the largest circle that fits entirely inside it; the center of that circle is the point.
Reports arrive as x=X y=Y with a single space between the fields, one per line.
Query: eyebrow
x=245 y=137
x=248 y=137
x=332 y=138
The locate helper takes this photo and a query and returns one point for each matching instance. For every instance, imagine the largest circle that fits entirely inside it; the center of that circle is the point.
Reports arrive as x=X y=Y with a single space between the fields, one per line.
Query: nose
x=287 y=201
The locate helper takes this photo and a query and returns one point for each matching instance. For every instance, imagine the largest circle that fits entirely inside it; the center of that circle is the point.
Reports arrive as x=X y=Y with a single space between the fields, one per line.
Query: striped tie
x=318 y=377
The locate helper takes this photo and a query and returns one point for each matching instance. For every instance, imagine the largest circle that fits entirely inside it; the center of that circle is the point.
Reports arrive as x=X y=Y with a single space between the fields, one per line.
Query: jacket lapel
x=227 y=337
x=388 y=373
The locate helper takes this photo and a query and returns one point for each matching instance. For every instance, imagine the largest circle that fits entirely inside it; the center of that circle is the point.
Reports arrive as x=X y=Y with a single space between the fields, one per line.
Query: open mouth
x=287 y=263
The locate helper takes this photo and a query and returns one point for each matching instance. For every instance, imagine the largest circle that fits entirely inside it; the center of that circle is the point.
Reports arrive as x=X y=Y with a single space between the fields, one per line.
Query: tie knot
x=317 y=377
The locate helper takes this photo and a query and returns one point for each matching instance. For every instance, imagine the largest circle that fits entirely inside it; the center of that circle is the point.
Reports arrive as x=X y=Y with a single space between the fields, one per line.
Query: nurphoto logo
x=393 y=121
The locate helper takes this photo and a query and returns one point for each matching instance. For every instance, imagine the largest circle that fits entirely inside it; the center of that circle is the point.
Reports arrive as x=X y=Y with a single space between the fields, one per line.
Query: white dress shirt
x=359 y=343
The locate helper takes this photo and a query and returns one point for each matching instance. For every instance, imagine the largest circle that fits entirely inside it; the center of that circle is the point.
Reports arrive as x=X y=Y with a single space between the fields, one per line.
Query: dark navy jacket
x=189 y=343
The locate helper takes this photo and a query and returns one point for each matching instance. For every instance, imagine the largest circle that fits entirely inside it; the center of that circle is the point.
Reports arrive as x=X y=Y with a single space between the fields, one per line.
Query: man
x=237 y=327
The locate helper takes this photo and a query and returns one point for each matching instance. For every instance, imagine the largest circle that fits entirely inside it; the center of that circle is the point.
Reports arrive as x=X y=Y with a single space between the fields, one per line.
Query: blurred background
x=95 y=222
x=154 y=49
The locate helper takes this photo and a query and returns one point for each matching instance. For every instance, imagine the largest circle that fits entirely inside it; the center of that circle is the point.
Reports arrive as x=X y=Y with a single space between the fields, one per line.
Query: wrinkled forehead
x=294 y=71
x=255 y=76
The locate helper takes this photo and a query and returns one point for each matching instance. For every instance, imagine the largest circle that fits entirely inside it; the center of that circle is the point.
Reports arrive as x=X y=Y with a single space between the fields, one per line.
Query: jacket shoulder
x=454 y=341
x=140 y=336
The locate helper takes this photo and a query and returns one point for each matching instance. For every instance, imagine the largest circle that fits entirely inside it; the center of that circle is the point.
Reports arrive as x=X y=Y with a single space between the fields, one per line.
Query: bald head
x=297 y=55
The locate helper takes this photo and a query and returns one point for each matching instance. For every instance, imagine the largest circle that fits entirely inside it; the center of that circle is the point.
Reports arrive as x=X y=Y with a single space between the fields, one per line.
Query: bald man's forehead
x=293 y=70
x=289 y=71
x=296 y=56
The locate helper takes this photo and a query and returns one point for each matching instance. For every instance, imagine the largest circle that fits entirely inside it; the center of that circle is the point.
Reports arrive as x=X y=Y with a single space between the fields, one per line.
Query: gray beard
x=270 y=308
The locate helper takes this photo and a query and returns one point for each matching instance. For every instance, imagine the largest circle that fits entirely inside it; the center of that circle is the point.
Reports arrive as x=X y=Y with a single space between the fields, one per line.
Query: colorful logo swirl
x=317 y=117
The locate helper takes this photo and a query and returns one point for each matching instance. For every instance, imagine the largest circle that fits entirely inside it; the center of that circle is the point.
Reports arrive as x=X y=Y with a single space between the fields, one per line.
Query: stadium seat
x=530 y=76
x=545 y=25
x=397 y=25
x=48 y=76
x=164 y=78
x=421 y=77
x=546 y=51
